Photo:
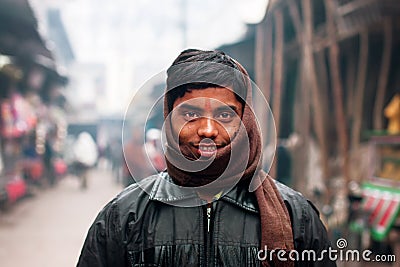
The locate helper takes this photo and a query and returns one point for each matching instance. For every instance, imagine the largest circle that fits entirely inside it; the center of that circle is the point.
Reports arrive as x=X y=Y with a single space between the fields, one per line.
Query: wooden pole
x=263 y=67
x=301 y=108
x=259 y=55
x=267 y=77
x=337 y=89
x=350 y=69
x=278 y=77
x=323 y=87
x=309 y=72
x=360 y=89
x=383 y=75
x=259 y=76
x=268 y=60
x=298 y=25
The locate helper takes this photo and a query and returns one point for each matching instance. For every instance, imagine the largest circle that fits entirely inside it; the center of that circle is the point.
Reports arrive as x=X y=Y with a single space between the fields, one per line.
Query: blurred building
x=243 y=50
x=32 y=105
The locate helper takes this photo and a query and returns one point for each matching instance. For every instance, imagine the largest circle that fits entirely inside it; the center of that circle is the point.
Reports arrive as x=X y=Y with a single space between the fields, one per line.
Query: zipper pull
x=208 y=217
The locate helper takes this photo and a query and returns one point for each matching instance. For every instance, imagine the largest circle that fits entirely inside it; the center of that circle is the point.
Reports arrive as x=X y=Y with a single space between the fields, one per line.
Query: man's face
x=206 y=120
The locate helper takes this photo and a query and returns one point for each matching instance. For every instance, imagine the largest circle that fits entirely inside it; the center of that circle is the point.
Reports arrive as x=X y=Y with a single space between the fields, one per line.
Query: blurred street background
x=80 y=82
x=49 y=229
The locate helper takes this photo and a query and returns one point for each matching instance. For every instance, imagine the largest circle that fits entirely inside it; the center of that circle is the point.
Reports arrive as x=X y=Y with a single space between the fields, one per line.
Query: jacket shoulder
x=134 y=198
x=295 y=200
x=308 y=230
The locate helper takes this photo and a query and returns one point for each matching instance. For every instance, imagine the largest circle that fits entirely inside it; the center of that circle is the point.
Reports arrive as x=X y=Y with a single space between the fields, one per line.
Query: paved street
x=48 y=230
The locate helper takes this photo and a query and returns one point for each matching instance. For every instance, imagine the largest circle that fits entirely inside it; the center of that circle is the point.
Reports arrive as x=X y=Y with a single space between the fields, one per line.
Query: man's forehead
x=209 y=92
x=204 y=102
x=208 y=98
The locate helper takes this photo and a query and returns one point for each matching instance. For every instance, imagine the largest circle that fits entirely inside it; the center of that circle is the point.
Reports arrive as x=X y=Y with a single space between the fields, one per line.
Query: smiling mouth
x=207 y=150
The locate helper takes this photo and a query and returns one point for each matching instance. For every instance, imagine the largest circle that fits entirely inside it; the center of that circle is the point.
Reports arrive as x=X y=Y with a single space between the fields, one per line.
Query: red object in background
x=18 y=117
x=7 y=119
x=16 y=188
x=60 y=167
x=36 y=170
x=33 y=169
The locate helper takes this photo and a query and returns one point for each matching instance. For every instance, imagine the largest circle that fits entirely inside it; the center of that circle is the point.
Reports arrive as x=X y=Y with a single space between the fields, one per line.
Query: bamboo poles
x=320 y=68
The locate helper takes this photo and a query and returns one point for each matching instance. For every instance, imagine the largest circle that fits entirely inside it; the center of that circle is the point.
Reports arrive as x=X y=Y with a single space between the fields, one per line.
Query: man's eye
x=225 y=116
x=191 y=115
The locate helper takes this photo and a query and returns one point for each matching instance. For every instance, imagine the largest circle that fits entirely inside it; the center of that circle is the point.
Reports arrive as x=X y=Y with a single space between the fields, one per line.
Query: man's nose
x=207 y=128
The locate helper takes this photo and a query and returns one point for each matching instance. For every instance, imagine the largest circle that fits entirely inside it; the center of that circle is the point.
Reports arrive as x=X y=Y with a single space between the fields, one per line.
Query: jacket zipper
x=208 y=217
x=207 y=234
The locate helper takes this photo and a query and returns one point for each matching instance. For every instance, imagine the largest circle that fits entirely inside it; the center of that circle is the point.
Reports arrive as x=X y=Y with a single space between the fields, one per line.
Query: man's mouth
x=207 y=150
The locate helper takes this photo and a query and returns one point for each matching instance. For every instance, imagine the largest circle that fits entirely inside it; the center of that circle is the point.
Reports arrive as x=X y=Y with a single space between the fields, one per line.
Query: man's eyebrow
x=186 y=106
x=189 y=107
x=227 y=108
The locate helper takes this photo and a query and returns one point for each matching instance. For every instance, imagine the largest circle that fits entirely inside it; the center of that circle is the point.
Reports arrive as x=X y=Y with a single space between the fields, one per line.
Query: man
x=85 y=156
x=204 y=211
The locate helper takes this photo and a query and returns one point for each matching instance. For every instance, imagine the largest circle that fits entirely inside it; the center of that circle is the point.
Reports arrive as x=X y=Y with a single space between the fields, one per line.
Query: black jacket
x=140 y=229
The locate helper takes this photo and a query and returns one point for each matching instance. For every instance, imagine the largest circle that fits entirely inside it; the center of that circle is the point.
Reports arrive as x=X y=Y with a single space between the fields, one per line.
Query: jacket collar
x=165 y=190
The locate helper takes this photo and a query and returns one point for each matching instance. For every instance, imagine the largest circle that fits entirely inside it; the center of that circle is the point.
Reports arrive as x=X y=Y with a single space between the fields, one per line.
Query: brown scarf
x=276 y=231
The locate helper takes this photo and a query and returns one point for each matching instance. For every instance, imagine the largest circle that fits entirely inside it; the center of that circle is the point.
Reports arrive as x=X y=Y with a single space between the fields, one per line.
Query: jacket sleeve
x=103 y=245
x=317 y=238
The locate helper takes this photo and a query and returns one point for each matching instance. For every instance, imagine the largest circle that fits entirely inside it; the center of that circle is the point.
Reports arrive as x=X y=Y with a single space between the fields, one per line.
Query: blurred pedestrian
x=85 y=156
x=48 y=157
x=32 y=162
